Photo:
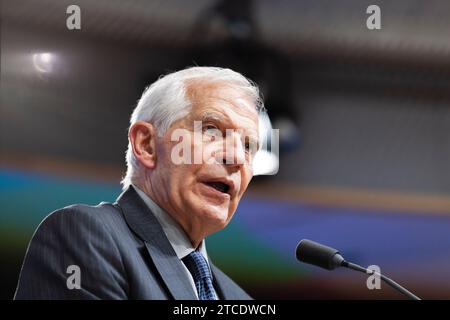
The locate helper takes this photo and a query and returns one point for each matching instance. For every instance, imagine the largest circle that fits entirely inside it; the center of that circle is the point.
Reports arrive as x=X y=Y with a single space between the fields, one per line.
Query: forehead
x=224 y=102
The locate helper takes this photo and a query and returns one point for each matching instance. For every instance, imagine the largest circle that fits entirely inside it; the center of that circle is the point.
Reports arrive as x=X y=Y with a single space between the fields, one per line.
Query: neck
x=195 y=235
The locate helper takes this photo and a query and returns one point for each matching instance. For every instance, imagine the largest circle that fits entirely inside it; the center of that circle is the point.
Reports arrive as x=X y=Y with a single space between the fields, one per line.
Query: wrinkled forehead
x=223 y=99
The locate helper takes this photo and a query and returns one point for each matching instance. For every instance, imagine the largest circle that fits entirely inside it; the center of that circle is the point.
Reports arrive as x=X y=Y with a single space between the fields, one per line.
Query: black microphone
x=329 y=258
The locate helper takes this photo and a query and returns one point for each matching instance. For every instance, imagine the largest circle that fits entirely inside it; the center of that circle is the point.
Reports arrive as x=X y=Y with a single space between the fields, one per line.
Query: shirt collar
x=175 y=234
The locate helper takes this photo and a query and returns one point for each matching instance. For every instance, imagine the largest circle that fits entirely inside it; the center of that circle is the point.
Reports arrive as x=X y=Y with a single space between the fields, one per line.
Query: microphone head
x=319 y=255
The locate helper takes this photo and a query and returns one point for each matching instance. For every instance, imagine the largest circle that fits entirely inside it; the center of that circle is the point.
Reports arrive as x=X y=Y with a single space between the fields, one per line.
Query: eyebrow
x=213 y=116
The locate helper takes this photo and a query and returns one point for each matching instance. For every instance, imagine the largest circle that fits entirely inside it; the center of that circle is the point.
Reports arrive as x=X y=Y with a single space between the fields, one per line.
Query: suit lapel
x=225 y=287
x=220 y=282
x=142 y=221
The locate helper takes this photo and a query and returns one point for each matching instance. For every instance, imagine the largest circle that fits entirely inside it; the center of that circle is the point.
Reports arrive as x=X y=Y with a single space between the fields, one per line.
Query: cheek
x=197 y=149
x=180 y=175
x=185 y=175
x=246 y=176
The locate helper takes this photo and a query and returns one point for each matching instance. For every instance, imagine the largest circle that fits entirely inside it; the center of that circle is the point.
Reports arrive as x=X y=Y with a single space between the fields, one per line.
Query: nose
x=234 y=154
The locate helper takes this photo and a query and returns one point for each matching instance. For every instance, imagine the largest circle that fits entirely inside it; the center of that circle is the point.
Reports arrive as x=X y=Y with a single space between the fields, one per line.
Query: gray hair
x=165 y=102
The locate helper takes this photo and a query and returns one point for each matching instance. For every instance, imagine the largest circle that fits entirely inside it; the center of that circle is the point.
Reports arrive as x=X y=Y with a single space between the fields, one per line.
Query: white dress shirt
x=175 y=234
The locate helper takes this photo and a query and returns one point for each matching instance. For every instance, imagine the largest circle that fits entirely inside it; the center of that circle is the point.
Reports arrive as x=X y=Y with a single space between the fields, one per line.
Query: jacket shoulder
x=104 y=214
x=81 y=236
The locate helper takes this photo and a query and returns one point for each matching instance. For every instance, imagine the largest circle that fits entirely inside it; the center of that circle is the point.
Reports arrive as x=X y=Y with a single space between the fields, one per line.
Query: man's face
x=204 y=195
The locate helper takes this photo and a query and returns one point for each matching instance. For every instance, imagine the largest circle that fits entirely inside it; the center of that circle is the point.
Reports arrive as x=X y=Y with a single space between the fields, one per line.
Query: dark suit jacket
x=122 y=253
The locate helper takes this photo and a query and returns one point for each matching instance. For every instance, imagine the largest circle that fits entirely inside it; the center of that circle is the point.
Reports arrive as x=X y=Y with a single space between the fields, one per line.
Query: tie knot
x=197 y=265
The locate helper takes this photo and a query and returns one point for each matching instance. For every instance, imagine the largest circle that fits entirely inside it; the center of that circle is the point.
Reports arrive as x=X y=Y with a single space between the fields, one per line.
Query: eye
x=212 y=130
x=250 y=145
x=209 y=127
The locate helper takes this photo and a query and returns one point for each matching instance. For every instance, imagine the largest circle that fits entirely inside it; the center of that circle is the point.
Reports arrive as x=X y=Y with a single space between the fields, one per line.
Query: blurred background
x=364 y=119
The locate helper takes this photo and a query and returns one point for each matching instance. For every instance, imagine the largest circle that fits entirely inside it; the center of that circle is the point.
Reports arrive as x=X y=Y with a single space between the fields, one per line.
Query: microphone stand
x=387 y=280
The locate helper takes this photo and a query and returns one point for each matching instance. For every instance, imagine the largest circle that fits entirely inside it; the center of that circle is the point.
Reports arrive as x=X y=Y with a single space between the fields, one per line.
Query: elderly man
x=150 y=243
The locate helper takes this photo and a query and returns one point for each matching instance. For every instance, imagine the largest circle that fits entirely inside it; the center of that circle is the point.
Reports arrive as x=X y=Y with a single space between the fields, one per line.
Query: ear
x=142 y=137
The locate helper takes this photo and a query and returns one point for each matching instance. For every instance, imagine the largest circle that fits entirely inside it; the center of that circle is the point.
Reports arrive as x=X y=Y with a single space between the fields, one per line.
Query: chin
x=217 y=217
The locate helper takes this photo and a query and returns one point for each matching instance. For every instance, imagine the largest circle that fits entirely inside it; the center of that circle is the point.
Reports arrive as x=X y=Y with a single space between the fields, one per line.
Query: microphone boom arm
x=387 y=280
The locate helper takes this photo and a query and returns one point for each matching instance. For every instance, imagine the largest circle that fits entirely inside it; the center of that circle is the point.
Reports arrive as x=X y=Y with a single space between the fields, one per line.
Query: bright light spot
x=46 y=57
x=266 y=161
x=43 y=62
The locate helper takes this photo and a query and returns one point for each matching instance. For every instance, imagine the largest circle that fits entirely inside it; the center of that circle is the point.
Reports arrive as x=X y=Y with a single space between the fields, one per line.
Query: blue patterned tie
x=199 y=269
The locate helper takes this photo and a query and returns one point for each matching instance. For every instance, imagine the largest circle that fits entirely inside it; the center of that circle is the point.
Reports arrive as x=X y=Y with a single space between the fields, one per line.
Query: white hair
x=165 y=102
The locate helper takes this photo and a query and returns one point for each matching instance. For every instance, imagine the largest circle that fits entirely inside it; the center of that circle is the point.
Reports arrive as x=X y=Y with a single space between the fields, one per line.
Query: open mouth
x=219 y=186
